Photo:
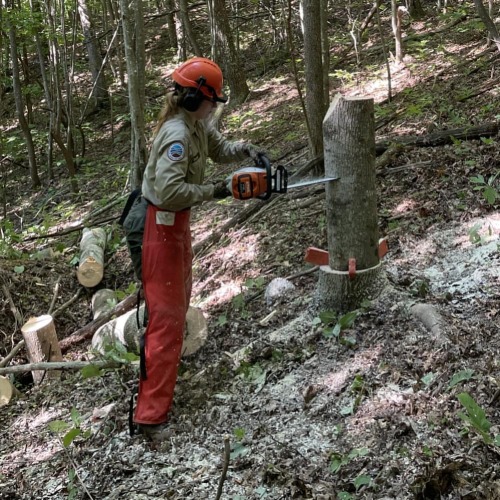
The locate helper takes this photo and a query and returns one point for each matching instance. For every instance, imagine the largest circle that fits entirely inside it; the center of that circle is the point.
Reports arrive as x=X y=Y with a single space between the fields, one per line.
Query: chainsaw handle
x=262 y=161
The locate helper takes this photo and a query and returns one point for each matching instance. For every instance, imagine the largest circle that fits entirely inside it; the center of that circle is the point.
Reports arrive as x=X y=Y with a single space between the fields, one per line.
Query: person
x=172 y=184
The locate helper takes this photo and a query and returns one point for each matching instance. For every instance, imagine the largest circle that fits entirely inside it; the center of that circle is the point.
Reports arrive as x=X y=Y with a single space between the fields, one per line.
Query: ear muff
x=193 y=98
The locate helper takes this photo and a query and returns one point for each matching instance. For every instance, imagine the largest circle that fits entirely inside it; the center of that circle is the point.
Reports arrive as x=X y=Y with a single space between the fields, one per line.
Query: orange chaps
x=167 y=278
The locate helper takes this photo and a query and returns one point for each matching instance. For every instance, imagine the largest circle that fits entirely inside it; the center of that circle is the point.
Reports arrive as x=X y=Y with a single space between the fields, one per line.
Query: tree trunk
x=315 y=104
x=41 y=343
x=133 y=36
x=396 y=30
x=353 y=273
x=171 y=29
x=226 y=54
x=59 y=108
x=488 y=22
x=415 y=9
x=99 y=91
x=91 y=267
x=18 y=95
x=188 y=28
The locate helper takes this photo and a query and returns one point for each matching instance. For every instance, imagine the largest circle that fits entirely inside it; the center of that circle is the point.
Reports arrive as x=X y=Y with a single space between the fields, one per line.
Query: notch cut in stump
x=91 y=268
x=40 y=336
x=348 y=293
x=7 y=391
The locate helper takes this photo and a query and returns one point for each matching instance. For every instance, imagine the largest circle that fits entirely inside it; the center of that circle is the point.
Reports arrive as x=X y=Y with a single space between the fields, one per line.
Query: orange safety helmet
x=202 y=74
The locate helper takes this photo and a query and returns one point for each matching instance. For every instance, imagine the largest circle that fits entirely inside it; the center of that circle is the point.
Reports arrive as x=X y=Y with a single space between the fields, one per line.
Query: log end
x=90 y=273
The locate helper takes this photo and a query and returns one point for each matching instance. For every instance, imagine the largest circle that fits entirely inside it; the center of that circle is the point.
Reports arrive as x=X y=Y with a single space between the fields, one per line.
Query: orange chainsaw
x=260 y=182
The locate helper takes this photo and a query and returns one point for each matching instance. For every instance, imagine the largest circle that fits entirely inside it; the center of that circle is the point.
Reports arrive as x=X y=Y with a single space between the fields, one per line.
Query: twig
x=75 y=467
x=54 y=298
x=17 y=348
x=13 y=308
x=227 y=456
x=67 y=304
x=60 y=365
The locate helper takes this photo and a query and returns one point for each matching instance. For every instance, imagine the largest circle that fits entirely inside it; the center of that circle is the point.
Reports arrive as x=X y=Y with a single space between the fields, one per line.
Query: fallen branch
x=442 y=137
x=60 y=365
x=87 y=331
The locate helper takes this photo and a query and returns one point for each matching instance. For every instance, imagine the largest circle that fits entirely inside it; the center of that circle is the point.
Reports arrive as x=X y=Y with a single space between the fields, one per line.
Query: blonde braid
x=170 y=109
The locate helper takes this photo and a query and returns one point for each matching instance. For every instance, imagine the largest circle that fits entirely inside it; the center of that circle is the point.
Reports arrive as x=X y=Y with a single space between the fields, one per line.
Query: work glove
x=251 y=151
x=221 y=190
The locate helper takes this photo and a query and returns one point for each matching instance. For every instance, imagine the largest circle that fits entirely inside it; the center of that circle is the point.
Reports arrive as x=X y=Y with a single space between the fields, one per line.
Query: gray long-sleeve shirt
x=173 y=179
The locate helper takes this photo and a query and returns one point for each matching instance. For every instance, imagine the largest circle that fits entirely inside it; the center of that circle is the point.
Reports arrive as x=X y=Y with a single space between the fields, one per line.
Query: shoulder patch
x=175 y=151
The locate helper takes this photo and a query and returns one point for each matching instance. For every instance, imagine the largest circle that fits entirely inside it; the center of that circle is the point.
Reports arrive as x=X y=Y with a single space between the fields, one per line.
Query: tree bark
x=353 y=273
x=488 y=22
x=315 y=104
x=99 y=92
x=396 y=15
x=226 y=54
x=188 y=28
x=133 y=36
x=92 y=247
x=41 y=343
x=18 y=96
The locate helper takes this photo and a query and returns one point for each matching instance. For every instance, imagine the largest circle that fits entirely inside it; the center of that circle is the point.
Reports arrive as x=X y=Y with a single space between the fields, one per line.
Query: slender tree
x=133 y=37
x=225 y=53
x=315 y=95
x=99 y=90
x=18 y=95
x=488 y=22
x=188 y=28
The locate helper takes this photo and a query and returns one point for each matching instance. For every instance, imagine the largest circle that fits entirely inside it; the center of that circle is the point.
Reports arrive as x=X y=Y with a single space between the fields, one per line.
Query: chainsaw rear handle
x=259 y=181
x=262 y=161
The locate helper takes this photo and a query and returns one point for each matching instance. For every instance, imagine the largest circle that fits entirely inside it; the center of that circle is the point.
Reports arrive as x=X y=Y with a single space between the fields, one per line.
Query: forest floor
x=373 y=413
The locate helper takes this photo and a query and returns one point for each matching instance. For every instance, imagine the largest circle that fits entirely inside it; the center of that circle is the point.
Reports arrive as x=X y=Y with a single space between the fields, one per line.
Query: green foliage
x=116 y=352
x=487 y=187
x=461 y=376
x=239 y=302
x=475 y=416
x=8 y=237
x=71 y=430
x=238 y=449
x=120 y=295
x=336 y=325
x=476 y=237
x=338 y=460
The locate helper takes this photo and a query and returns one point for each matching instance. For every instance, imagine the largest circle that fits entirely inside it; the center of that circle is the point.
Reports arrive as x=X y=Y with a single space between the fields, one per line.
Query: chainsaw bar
x=311 y=182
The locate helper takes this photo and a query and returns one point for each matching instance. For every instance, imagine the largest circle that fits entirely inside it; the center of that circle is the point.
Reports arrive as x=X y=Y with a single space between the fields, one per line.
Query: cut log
x=127 y=329
x=7 y=391
x=40 y=336
x=103 y=301
x=91 y=268
x=86 y=332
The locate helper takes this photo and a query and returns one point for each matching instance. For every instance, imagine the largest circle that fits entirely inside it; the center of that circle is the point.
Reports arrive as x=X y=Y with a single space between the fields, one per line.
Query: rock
x=278 y=289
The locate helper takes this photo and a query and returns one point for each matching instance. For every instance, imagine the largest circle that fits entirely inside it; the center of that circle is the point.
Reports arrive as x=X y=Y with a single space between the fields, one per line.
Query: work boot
x=156 y=432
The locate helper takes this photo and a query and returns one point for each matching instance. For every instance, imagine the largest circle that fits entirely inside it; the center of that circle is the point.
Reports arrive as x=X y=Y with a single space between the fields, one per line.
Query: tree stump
x=40 y=336
x=91 y=267
x=353 y=273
